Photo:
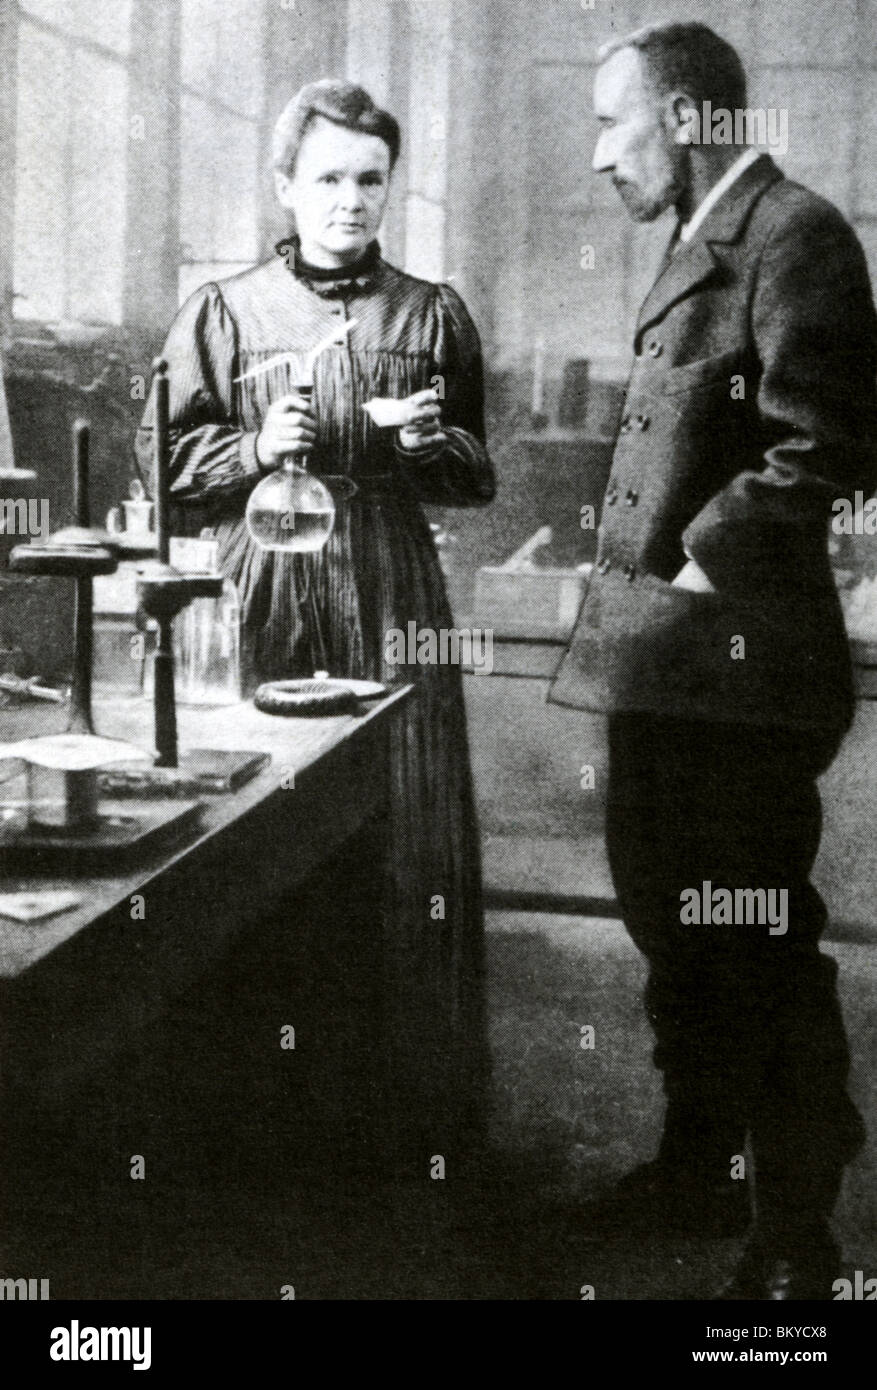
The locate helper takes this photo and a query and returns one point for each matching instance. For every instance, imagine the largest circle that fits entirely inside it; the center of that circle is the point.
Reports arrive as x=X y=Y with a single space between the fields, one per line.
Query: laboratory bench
x=294 y=853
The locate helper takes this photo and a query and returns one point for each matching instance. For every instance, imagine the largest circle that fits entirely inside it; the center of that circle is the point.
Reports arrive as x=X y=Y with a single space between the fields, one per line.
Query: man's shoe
x=675 y=1199
x=783 y=1271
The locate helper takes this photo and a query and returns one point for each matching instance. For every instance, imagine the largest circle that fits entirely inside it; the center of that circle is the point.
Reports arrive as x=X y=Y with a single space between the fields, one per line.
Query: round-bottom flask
x=291 y=510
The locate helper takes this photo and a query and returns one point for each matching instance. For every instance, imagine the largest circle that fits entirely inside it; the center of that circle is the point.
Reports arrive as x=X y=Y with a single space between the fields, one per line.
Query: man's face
x=636 y=144
x=338 y=192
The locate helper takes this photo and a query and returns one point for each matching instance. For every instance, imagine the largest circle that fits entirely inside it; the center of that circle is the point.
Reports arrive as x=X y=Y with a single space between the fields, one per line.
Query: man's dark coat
x=751 y=408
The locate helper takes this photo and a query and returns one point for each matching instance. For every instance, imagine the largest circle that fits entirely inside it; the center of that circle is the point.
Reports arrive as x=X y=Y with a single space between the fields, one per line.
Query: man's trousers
x=750 y=1037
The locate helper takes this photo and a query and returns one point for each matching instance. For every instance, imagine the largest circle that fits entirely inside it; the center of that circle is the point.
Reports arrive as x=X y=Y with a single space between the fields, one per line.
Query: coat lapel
x=691 y=266
x=694 y=263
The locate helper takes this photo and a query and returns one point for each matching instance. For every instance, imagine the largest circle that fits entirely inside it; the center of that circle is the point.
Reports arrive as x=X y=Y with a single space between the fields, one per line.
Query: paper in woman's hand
x=390 y=414
x=420 y=412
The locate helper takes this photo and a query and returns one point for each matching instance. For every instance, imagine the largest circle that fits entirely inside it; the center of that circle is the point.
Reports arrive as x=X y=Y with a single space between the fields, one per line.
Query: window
x=428 y=113
x=221 y=60
x=71 y=160
x=138 y=125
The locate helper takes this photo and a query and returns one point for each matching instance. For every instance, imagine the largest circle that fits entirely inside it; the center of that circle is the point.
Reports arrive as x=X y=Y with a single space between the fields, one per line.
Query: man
x=712 y=635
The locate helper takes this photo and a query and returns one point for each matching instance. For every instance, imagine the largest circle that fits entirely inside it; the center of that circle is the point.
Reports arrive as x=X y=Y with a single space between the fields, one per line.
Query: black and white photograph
x=438 y=663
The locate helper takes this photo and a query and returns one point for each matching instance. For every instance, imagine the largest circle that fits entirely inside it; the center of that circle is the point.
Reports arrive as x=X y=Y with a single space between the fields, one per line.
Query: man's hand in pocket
x=693 y=578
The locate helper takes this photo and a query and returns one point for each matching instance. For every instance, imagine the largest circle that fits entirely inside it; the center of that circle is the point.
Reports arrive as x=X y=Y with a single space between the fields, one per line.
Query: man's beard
x=645 y=209
x=640 y=209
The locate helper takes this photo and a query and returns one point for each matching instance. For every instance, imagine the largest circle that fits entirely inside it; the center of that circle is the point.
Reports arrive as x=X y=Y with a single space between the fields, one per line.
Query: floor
x=566 y=1123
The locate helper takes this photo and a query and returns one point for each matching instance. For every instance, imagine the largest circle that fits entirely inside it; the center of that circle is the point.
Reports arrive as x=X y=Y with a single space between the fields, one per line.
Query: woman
x=334 y=154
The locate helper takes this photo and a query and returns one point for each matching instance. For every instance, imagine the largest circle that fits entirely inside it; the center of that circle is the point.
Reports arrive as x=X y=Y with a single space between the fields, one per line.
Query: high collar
x=330 y=281
x=736 y=171
x=725 y=220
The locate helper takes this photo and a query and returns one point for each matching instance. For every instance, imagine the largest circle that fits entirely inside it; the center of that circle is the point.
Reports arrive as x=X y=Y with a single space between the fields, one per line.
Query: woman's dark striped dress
x=332 y=610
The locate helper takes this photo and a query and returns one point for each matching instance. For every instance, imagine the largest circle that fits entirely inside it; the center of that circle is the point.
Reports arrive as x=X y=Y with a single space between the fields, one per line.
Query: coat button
x=630 y=573
x=643 y=422
x=655 y=348
x=632 y=498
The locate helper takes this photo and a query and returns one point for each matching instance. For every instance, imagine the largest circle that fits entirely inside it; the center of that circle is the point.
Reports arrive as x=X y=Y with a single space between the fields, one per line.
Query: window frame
x=21 y=329
x=153 y=66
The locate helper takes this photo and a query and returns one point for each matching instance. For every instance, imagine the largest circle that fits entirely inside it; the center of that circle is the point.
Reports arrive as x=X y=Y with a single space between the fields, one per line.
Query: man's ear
x=283 y=188
x=682 y=119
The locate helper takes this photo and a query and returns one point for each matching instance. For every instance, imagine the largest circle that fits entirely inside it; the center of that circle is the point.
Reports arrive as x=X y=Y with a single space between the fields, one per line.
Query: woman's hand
x=425 y=422
x=289 y=430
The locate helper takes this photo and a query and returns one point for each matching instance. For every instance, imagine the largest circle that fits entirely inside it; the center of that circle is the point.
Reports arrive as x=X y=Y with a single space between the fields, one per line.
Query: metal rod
x=163 y=670
x=165 y=698
x=162 y=462
x=80 y=719
x=81 y=508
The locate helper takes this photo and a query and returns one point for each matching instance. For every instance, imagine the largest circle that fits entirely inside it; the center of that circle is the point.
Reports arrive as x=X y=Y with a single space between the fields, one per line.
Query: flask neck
x=299 y=463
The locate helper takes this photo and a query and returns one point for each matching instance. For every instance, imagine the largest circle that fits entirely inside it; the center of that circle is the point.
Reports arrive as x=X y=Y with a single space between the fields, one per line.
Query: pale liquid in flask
x=301 y=532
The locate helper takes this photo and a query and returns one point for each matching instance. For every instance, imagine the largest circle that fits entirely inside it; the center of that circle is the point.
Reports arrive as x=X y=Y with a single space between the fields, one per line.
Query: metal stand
x=79 y=553
x=65 y=819
x=163 y=592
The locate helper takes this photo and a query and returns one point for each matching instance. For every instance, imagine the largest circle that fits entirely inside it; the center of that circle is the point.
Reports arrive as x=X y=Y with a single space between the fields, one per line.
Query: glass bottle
x=207 y=634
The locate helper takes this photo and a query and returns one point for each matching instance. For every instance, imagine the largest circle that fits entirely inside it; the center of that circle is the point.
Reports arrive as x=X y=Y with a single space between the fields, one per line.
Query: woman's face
x=338 y=192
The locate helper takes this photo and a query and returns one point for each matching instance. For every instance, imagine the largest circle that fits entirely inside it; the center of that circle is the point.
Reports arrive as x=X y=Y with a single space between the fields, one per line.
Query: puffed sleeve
x=457 y=472
x=210 y=454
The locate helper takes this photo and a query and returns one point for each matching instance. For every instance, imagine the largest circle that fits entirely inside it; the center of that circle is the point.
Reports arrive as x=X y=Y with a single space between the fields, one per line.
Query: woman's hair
x=341 y=102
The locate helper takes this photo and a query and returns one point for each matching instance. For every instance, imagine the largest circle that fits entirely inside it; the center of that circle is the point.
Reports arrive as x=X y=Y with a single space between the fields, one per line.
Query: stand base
x=118 y=830
x=202 y=772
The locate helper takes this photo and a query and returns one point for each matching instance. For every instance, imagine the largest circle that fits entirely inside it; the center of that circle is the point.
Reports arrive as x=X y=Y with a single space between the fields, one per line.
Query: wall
x=532 y=194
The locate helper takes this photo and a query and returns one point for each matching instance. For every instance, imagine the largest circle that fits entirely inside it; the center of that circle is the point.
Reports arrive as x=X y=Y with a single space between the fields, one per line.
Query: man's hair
x=687 y=58
x=344 y=104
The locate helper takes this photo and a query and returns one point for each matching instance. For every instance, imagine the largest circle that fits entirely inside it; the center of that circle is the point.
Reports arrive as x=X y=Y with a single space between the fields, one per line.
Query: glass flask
x=291 y=510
